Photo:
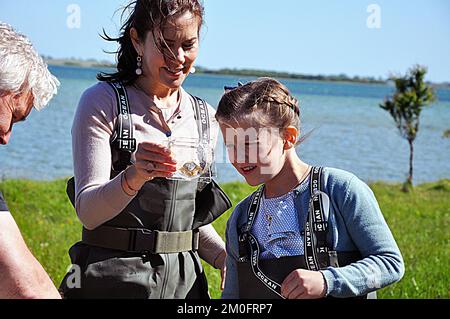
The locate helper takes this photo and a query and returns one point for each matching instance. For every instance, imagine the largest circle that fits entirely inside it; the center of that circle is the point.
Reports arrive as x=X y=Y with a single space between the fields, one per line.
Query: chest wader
x=3 y=207
x=150 y=249
x=262 y=279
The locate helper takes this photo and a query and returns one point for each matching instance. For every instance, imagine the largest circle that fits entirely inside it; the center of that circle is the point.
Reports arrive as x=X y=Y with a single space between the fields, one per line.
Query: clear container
x=194 y=158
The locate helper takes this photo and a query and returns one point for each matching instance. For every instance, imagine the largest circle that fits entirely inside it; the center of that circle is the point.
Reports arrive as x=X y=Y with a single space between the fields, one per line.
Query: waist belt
x=141 y=240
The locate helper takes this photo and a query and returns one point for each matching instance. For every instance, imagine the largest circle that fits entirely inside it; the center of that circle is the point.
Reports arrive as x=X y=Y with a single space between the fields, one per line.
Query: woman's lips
x=174 y=72
x=246 y=170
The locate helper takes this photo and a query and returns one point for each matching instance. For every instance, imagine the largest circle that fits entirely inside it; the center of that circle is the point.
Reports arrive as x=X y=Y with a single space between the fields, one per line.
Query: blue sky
x=310 y=37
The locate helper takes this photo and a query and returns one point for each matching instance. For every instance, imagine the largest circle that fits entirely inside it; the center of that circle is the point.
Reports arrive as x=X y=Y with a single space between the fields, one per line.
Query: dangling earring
x=139 y=65
x=193 y=70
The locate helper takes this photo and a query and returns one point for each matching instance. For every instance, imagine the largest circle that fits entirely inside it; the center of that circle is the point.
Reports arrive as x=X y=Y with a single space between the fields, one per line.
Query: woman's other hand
x=220 y=263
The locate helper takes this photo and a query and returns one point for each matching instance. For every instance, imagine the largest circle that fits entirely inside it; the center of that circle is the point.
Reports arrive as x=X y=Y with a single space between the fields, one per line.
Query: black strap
x=3 y=207
x=247 y=238
x=203 y=122
x=202 y=117
x=140 y=240
x=316 y=228
x=123 y=140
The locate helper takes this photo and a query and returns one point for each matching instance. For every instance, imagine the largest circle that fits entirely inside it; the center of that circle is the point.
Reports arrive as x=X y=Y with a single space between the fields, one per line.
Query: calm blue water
x=351 y=131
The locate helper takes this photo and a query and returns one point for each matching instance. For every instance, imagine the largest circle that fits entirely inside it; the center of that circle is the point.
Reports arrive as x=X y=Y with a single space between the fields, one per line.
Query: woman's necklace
x=277 y=209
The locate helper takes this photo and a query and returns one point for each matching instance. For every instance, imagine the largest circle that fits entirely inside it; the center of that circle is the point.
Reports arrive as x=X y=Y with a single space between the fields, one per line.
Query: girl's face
x=181 y=36
x=257 y=153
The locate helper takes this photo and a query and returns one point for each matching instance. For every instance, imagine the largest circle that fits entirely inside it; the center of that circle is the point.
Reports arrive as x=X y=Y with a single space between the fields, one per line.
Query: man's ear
x=136 y=41
x=290 y=137
x=20 y=96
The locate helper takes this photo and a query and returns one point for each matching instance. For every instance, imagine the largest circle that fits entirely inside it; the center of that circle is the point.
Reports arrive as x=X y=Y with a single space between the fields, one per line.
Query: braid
x=265 y=102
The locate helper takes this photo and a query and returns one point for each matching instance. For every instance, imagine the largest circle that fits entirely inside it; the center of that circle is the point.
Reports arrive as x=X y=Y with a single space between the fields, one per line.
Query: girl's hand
x=152 y=161
x=304 y=284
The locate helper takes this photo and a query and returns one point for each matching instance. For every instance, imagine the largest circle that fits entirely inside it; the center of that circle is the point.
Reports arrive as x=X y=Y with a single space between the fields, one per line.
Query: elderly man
x=24 y=81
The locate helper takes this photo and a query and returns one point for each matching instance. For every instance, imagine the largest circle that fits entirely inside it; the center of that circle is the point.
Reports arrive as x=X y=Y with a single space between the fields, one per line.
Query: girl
x=307 y=232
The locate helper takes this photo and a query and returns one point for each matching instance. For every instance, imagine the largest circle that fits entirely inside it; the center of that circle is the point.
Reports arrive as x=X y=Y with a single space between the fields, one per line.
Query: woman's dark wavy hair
x=146 y=16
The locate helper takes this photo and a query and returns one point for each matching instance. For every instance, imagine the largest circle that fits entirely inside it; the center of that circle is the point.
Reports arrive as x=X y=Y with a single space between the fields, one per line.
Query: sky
x=355 y=37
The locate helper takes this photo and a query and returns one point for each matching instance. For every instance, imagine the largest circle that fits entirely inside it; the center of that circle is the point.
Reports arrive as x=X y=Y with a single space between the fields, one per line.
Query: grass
x=419 y=221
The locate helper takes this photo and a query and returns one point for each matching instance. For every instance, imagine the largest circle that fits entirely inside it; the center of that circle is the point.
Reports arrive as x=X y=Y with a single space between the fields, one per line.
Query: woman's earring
x=139 y=65
x=193 y=70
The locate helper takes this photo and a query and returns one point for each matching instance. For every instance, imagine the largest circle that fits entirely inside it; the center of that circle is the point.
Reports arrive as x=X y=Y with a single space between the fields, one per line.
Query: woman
x=140 y=233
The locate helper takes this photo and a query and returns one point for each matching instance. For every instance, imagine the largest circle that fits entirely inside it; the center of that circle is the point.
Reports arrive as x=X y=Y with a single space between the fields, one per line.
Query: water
x=351 y=131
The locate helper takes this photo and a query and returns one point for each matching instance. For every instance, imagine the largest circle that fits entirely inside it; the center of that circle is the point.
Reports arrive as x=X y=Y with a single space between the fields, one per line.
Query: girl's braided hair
x=264 y=102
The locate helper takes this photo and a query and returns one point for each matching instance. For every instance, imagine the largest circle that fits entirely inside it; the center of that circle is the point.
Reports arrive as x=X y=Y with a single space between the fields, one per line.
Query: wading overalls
x=150 y=249
x=261 y=279
x=3 y=207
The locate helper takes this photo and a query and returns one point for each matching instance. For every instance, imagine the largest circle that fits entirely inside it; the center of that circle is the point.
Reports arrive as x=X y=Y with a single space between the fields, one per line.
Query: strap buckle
x=142 y=240
x=161 y=242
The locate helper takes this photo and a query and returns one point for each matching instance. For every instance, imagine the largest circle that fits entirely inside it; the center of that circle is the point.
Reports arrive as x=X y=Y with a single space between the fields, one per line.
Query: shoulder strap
x=123 y=140
x=247 y=240
x=203 y=125
x=202 y=117
x=316 y=228
x=3 y=207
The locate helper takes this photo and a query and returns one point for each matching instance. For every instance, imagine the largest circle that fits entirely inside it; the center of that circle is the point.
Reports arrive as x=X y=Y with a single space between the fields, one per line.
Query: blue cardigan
x=356 y=224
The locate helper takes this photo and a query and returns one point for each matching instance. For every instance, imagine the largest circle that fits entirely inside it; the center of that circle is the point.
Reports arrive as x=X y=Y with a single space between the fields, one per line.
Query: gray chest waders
x=3 y=207
x=150 y=249
x=262 y=279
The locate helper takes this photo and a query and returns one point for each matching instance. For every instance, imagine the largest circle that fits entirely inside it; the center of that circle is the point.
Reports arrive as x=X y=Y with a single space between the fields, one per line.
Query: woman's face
x=169 y=70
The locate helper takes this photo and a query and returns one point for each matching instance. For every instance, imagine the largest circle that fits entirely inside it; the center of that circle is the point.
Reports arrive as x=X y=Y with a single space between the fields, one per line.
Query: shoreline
x=342 y=78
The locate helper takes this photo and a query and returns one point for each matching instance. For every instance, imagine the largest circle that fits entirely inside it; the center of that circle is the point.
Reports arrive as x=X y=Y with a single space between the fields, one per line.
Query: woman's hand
x=152 y=161
x=223 y=276
x=220 y=263
x=304 y=284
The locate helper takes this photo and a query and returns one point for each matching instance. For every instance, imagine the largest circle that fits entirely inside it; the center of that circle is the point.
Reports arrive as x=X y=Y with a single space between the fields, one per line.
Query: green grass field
x=419 y=221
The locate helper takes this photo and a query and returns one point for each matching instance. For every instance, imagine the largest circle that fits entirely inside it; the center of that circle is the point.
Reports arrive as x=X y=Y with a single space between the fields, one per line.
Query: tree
x=412 y=94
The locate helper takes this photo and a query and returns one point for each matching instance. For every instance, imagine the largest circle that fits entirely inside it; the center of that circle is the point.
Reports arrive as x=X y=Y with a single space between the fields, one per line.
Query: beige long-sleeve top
x=99 y=199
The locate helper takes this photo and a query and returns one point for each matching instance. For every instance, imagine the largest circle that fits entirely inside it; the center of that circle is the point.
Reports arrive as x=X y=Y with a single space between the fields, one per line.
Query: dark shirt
x=3 y=206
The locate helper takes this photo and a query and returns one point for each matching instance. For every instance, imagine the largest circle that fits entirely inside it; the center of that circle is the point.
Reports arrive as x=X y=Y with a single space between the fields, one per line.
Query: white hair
x=22 y=69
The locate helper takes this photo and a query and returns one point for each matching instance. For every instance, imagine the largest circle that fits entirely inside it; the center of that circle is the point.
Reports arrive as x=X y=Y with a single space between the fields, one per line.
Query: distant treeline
x=287 y=75
x=92 y=63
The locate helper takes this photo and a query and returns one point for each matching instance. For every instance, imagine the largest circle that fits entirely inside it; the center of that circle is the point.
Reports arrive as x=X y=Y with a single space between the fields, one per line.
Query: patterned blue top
x=276 y=227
